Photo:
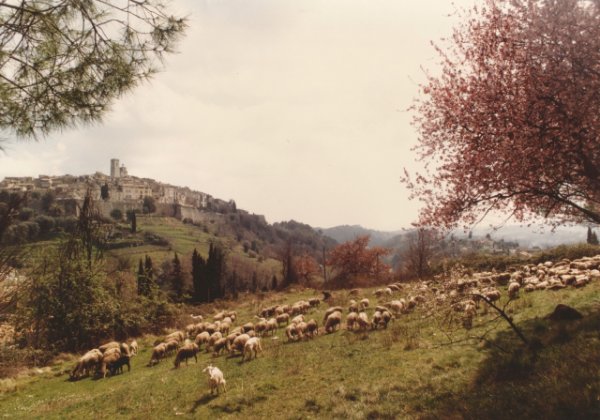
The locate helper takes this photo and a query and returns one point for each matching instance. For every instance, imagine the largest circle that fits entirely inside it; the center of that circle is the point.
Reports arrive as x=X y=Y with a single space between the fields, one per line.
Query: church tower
x=115 y=170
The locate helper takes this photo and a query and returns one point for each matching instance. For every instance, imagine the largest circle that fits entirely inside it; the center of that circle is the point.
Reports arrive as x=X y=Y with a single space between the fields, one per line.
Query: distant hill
x=346 y=233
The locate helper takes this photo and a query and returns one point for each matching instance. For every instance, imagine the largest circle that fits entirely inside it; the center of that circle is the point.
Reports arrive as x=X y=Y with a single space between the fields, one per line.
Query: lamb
x=252 y=346
x=333 y=321
x=283 y=319
x=513 y=290
x=184 y=353
x=215 y=379
x=159 y=352
x=87 y=363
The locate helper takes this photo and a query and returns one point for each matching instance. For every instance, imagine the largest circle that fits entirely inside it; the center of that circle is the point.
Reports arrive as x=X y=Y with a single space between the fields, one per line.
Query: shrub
x=116 y=214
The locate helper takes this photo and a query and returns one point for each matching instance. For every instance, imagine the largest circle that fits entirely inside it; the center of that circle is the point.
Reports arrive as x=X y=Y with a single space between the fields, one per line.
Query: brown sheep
x=220 y=345
x=238 y=343
x=184 y=353
x=110 y=356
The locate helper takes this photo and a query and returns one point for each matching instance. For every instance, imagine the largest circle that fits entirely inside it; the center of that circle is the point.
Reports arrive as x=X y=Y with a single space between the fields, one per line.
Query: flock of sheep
x=459 y=291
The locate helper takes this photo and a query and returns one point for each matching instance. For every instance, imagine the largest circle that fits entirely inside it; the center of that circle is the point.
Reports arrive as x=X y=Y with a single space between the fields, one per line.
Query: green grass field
x=406 y=371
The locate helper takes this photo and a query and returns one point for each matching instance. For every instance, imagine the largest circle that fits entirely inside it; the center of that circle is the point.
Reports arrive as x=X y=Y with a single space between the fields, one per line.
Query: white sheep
x=215 y=379
x=252 y=346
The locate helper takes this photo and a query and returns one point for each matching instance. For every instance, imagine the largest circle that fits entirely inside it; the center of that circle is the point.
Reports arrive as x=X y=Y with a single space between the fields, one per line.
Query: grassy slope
x=401 y=372
x=183 y=238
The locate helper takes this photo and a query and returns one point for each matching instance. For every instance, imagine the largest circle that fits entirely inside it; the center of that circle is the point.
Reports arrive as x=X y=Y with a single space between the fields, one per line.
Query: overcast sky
x=296 y=109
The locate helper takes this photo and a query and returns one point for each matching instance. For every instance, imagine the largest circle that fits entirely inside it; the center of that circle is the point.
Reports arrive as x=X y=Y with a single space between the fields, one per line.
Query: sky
x=296 y=109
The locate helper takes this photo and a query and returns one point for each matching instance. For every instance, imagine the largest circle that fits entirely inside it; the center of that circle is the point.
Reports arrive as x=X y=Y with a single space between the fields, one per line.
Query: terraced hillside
x=409 y=370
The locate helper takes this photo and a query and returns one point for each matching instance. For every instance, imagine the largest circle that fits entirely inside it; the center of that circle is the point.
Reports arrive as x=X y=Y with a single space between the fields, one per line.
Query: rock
x=564 y=313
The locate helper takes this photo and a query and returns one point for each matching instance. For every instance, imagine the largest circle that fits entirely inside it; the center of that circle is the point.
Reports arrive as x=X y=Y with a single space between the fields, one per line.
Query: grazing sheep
x=271 y=326
x=220 y=345
x=332 y=310
x=363 y=321
x=232 y=337
x=260 y=326
x=219 y=316
x=397 y=306
x=298 y=319
x=376 y=320
x=171 y=347
x=333 y=321
x=118 y=365
x=238 y=343
x=252 y=346
x=104 y=347
x=311 y=329
x=247 y=327
x=215 y=379
x=212 y=340
x=133 y=346
x=186 y=352
x=354 y=292
x=178 y=336
x=364 y=303
x=283 y=319
x=351 y=320
x=387 y=317
x=513 y=290
x=292 y=332
x=492 y=294
x=353 y=307
x=87 y=363
x=159 y=352
x=110 y=356
x=202 y=338
x=125 y=350
x=314 y=302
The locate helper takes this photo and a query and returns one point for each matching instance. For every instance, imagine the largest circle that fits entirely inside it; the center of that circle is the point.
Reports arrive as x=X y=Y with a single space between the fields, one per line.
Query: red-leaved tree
x=306 y=267
x=354 y=262
x=512 y=123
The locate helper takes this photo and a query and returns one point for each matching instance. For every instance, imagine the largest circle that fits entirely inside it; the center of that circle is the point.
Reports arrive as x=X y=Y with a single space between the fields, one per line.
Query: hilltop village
x=119 y=190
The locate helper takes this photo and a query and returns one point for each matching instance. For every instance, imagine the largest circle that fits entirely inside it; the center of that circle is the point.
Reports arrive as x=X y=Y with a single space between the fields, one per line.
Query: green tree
x=116 y=214
x=177 y=279
x=149 y=205
x=64 y=62
x=104 y=192
x=199 y=283
x=66 y=305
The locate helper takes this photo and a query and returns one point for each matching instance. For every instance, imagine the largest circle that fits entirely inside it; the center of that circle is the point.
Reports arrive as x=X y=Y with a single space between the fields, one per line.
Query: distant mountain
x=526 y=236
x=346 y=233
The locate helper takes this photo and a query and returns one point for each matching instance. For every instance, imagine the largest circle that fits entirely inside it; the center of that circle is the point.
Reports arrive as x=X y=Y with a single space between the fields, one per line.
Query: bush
x=46 y=224
x=25 y=214
x=116 y=214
